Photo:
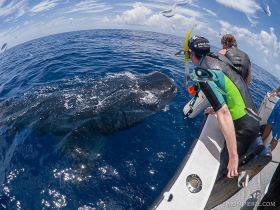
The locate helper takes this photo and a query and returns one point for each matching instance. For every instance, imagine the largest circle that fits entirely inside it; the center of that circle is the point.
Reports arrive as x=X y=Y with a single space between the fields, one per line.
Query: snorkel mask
x=196 y=45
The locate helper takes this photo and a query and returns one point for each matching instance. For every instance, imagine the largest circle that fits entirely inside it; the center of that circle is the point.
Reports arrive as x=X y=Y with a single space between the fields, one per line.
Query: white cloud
x=89 y=6
x=252 y=20
x=177 y=2
x=28 y=31
x=33 y=29
x=149 y=16
x=2 y=2
x=151 y=5
x=14 y=8
x=277 y=67
x=265 y=42
x=9 y=35
x=44 y=5
x=178 y=7
x=188 y=12
x=210 y=12
x=277 y=70
x=137 y=15
x=249 y=7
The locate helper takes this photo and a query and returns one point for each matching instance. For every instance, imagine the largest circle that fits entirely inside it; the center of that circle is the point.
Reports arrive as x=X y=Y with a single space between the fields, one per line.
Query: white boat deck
x=250 y=196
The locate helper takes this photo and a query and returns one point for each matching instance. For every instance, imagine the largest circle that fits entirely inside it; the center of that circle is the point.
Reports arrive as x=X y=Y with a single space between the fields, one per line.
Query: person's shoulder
x=223 y=51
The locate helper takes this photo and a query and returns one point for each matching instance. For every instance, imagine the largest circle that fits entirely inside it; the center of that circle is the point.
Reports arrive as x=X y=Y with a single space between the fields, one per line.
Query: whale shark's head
x=160 y=87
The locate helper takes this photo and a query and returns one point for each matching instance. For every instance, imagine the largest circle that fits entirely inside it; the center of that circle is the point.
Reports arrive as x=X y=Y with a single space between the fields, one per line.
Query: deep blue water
x=122 y=170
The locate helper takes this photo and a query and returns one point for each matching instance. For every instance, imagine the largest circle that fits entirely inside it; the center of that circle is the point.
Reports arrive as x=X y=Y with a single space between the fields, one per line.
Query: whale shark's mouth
x=160 y=85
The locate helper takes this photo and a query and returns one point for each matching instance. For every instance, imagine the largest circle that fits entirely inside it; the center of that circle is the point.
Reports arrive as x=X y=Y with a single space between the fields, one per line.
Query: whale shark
x=104 y=105
x=80 y=113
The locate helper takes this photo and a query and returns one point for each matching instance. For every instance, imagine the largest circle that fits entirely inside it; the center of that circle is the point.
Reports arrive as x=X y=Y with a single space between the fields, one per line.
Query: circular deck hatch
x=194 y=183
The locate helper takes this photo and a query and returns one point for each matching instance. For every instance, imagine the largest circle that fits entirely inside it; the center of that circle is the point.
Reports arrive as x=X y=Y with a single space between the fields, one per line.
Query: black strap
x=226 y=61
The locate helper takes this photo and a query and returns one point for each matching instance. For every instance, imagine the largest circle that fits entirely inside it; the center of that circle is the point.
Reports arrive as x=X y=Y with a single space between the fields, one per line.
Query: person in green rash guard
x=230 y=99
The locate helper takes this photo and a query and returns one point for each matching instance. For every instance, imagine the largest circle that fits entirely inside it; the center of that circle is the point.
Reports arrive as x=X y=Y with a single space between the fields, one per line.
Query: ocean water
x=40 y=168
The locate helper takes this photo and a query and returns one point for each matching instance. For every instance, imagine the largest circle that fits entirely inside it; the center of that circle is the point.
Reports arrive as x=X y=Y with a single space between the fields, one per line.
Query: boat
x=194 y=184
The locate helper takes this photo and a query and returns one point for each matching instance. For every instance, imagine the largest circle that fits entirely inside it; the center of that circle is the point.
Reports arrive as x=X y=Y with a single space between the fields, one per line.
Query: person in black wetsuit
x=229 y=97
x=239 y=58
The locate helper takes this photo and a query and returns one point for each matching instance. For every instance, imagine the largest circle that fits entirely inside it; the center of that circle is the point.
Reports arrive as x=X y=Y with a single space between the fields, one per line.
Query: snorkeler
x=240 y=59
x=229 y=97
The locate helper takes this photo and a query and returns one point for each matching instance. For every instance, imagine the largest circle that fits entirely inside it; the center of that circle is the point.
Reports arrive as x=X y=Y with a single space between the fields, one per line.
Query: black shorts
x=246 y=130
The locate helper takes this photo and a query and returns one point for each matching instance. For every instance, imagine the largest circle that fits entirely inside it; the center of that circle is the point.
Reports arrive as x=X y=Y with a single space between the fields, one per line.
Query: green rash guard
x=227 y=87
x=221 y=90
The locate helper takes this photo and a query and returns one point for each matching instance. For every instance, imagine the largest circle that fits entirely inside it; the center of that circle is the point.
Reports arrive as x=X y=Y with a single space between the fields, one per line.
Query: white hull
x=202 y=164
x=210 y=143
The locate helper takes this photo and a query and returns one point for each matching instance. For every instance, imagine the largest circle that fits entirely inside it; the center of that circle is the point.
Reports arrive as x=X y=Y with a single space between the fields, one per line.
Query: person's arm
x=227 y=127
x=276 y=92
x=225 y=122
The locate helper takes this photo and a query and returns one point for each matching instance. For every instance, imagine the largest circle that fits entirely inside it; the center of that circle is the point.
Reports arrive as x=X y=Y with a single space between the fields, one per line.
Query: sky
x=254 y=23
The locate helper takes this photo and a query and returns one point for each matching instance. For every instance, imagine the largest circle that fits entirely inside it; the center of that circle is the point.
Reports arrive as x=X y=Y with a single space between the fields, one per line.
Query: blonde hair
x=229 y=40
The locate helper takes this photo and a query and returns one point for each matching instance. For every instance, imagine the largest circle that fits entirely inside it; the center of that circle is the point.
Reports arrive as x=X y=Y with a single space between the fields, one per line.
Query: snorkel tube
x=186 y=57
x=186 y=45
x=191 y=89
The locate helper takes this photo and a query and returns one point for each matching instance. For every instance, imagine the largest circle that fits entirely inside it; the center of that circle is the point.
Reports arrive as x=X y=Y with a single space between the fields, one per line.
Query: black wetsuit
x=229 y=87
x=240 y=60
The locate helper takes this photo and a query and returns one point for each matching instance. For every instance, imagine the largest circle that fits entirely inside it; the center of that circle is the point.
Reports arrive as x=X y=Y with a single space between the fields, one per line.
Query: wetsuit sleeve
x=213 y=95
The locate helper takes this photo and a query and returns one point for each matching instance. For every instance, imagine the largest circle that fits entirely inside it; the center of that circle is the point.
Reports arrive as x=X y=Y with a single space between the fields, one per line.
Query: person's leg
x=223 y=164
x=273 y=144
x=241 y=149
x=246 y=131
x=266 y=131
